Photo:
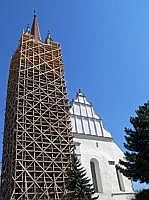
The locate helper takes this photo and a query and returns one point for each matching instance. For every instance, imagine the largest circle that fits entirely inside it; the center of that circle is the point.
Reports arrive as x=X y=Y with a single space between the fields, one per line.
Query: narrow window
x=77 y=150
x=96 y=178
x=120 y=180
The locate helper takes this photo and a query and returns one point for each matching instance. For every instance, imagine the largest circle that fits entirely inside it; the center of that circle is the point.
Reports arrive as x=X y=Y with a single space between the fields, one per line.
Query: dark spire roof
x=35 y=28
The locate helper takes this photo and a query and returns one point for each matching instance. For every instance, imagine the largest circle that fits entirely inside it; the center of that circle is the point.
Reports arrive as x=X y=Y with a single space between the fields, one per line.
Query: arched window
x=120 y=180
x=96 y=177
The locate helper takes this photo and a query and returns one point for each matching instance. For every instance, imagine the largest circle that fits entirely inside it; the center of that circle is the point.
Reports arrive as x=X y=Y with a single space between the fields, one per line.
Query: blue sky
x=105 y=45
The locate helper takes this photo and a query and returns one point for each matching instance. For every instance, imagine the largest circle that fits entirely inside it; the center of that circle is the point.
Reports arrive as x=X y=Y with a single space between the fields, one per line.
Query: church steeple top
x=35 y=28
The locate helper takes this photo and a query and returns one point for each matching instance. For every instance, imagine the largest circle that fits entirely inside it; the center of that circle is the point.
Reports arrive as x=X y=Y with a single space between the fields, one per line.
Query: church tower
x=37 y=136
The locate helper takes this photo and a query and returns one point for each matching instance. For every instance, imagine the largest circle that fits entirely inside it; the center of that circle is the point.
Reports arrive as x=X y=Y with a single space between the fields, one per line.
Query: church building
x=38 y=139
x=98 y=152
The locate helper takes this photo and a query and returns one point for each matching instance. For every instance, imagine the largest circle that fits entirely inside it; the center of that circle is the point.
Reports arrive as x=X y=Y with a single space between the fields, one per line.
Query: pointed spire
x=35 y=28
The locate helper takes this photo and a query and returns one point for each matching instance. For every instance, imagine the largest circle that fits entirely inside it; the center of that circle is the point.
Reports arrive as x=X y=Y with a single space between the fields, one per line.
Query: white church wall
x=104 y=151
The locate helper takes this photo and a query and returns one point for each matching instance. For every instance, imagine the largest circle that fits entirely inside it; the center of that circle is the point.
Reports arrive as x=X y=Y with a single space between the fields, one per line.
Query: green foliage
x=136 y=165
x=78 y=184
x=143 y=195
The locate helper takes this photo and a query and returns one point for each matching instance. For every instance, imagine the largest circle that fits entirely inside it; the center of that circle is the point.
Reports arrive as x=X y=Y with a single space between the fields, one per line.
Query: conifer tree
x=143 y=195
x=136 y=165
x=78 y=184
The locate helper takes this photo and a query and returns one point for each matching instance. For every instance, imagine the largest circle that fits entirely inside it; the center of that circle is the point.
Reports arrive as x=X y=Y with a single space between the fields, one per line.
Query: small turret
x=48 y=38
x=27 y=29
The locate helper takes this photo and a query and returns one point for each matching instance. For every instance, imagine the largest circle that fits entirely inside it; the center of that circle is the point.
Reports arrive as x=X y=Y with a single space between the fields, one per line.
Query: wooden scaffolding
x=37 y=132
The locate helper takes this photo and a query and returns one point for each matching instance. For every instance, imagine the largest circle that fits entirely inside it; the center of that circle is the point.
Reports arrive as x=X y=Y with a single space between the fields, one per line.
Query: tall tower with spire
x=37 y=136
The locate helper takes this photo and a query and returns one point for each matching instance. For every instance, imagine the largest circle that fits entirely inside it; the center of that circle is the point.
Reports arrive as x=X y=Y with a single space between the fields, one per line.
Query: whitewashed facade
x=98 y=152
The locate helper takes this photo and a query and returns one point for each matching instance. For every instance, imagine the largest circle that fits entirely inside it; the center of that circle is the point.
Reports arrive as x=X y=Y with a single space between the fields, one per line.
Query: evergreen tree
x=78 y=184
x=136 y=165
x=143 y=195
